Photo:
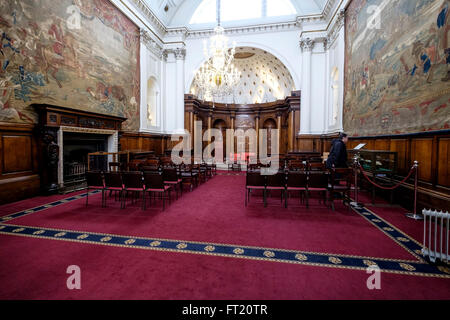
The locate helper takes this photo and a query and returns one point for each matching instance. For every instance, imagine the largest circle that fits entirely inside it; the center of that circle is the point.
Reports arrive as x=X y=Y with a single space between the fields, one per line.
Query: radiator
x=436 y=235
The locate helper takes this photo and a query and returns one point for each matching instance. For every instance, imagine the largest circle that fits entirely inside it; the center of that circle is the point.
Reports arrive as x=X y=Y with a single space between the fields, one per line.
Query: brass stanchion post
x=414 y=215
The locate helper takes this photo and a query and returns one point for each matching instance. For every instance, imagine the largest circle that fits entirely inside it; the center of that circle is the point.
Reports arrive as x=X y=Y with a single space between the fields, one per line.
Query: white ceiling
x=179 y=12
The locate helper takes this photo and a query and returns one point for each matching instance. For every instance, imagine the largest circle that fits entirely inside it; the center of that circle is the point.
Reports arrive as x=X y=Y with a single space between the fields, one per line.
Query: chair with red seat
x=340 y=183
x=297 y=181
x=113 y=182
x=172 y=178
x=94 y=181
x=254 y=181
x=154 y=183
x=318 y=182
x=132 y=182
x=276 y=182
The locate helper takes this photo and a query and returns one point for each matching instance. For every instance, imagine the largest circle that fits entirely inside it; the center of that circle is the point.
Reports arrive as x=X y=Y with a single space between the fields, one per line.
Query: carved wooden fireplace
x=66 y=137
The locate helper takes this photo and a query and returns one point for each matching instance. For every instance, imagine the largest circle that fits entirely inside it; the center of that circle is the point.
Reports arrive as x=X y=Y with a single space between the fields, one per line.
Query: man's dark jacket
x=338 y=154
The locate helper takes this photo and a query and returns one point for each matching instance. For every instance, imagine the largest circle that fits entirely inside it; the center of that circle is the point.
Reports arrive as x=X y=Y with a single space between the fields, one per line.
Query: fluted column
x=307 y=46
x=180 y=54
x=209 y=126
x=257 y=117
x=280 y=128
x=291 y=130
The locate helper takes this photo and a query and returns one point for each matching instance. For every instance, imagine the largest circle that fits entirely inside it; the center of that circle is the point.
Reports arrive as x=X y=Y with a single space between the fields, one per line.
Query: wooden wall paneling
x=421 y=150
x=434 y=160
x=19 y=164
x=443 y=167
x=18 y=153
x=382 y=144
x=400 y=146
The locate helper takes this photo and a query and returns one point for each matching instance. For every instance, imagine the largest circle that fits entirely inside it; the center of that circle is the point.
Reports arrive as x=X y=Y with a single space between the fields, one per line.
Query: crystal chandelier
x=218 y=76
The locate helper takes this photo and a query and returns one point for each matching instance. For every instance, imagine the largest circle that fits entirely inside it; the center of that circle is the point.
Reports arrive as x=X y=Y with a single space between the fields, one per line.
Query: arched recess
x=222 y=126
x=153 y=103
x=200 y=60
x=334 y=114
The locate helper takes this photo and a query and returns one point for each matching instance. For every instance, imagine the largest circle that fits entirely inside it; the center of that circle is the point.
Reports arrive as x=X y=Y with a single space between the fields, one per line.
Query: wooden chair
x=94 y=181
x=318 y=182
x=276 y=182
x=189 y=176
x=340 y=183
x=172 y=178
x=113 y=182
x=254 y=181
x=297 y=181
x=297 y=165
x=154 y=183
x=114 y=166
x=133 y=182
x=200 y=171
x=151 y=168
x=317 y=166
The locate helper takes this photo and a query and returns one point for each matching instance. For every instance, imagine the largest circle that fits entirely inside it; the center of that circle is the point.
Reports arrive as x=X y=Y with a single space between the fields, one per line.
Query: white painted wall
x=174 y=75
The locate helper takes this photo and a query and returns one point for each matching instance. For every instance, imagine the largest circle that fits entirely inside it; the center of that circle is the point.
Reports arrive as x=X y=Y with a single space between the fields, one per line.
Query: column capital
x=307 y=44
x=180 y=53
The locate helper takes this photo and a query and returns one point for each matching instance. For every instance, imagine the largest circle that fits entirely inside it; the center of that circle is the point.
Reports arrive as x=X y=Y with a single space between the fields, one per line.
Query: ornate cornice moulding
x=151 y=44
x=335 y=28
x=150 y=15
x=281 y=26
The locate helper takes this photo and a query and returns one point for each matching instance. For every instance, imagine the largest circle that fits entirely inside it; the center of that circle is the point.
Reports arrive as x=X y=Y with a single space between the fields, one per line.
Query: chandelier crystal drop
x=218 y=77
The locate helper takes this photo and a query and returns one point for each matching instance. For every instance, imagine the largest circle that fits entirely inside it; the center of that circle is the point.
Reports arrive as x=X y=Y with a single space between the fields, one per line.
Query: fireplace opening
x=77 y=146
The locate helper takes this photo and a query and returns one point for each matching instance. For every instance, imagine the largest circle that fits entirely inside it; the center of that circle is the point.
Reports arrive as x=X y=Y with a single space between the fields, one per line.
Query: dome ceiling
x=264 y=78
x=179 y=12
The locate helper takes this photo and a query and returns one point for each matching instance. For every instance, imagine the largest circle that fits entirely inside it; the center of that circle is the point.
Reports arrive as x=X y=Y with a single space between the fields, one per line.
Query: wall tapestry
x=81 y=54
x=397 y=77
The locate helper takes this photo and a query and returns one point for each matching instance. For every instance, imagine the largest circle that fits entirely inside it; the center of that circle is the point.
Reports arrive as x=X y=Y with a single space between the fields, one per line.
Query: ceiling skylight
x=233 y=10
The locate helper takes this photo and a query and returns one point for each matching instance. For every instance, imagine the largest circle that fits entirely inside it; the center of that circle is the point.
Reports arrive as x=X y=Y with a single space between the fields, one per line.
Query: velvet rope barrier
x=413 y=169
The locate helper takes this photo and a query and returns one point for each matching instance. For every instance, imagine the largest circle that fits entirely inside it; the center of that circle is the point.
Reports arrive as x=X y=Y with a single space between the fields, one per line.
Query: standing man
x=338 y=153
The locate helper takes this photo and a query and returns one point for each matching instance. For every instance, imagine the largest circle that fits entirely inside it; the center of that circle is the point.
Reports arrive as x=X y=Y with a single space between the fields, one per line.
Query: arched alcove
x=334 y=96
x=153 y=102
x=265 y=77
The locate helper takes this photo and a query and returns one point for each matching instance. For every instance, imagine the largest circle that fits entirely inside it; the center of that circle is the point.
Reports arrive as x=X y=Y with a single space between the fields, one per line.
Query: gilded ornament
x=335 y=260
x=39 y=232
x=210 y=248
x=301 y=257
x=61 y=234
x=130 y=241
x=105 y=239
x=269 y=254
x=370 y=263
x=182 y=246
x=238 y=251
x=18 y=230
x=83 y=236
x=155 y=243
x=407 y=267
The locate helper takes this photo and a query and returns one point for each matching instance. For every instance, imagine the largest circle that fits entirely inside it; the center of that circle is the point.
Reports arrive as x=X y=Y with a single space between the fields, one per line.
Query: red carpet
x=213 y=213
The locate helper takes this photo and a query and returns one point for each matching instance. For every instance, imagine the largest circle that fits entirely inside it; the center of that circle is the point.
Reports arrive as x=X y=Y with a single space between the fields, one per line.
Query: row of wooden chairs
x=134 y=182
x=329 y=183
